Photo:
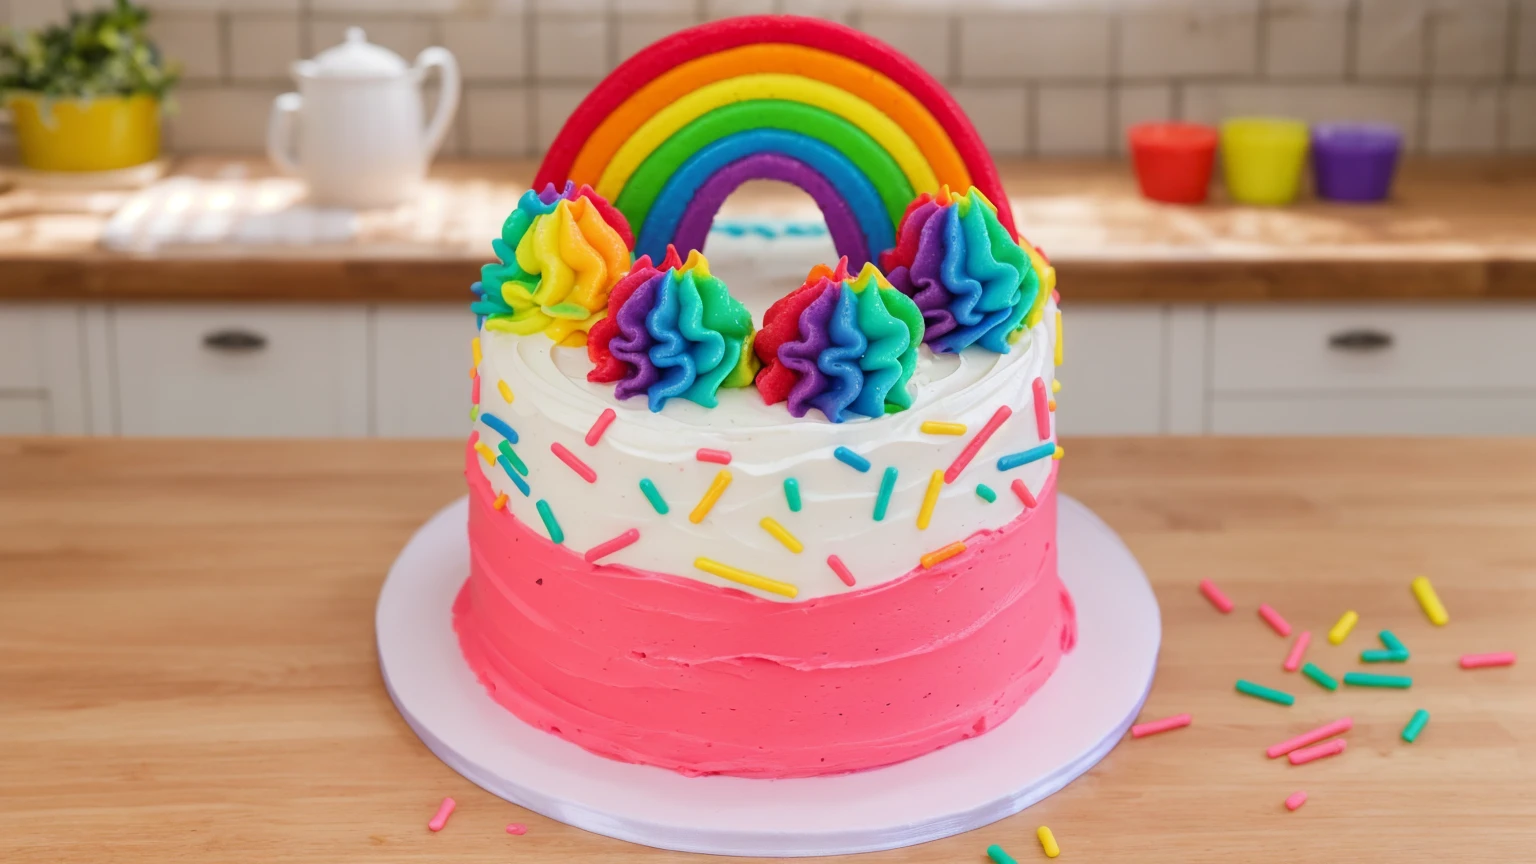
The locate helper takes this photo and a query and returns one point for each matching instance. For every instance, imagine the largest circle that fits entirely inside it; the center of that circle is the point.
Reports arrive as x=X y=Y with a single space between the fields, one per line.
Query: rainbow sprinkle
x=942 y=554
x=719 y=457
x=500 y=502
x=1058 y=337
x=648 y=489
x=887 y=486
x=499 y=425
x=781 y=534
x=936 y=427
x=517 y=463
x=599 y=426
x=1033 y=454
x=1042 y=412
x=985 y=493
x=974 y=445
x=851 y=459
x=930 y=498
x=485 y=452
x=744 y=577
x=841 y=570
x=575 y=464
x=550 y=524
x=1023 y=492
x=711 y=495
x=1055 y=385
x=608 y=547
x=474 y=350
x=792 y=494
x=504 y=390
x=474 y=413
x=1061 y=452
x=474 y=388
x=520 y=483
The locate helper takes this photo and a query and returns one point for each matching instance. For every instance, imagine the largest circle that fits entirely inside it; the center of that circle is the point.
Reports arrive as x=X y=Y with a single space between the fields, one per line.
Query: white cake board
x=1068 y=726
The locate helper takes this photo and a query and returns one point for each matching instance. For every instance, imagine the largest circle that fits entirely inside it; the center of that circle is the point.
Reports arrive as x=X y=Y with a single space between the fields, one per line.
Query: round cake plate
x=1065 y=728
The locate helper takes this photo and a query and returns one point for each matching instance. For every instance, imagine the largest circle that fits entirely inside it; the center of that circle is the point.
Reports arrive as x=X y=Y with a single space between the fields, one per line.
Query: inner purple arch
x=847 y=237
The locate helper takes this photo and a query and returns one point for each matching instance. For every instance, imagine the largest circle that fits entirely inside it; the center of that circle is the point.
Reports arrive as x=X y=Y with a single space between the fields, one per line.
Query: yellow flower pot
x=98 y=134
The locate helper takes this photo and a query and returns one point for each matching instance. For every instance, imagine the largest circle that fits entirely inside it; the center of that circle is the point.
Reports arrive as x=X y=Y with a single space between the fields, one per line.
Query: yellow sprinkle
x=743 y=577
x=936 y=427
x=1340 y=631
x=1048 y=842
x=711 y=495
x=500 y=502
x=943 y=554
x=485 y=452
x=930 y=498
x=781 y=534
x=1051 y=404
x=474 y=349
x=504 y=390
x=1060 y=453
x=1055 y=385
x=1430 y=601
x=1058 y=337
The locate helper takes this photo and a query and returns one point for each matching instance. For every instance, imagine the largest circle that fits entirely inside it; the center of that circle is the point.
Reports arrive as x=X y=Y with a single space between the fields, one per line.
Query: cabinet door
x=1112 y=370
x=24 y=414
x=241 y=370
x=422 y=362
x=42 y=370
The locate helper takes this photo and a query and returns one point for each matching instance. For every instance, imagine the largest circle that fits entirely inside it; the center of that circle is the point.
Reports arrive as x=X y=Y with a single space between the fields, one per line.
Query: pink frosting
x=663 y=670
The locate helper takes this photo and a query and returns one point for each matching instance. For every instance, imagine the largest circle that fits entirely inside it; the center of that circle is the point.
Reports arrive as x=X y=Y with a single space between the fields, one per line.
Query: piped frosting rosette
x=842 y=346
x=559 y=254
x=672 y=332
x=974 y=284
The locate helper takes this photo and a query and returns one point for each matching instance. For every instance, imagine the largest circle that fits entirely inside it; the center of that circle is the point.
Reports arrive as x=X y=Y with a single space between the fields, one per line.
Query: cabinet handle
x=1361 y=339
x=235 y=341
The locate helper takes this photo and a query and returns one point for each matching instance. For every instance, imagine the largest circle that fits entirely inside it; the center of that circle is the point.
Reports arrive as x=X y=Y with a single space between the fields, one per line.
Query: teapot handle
x=447 y=95
x=280 y=125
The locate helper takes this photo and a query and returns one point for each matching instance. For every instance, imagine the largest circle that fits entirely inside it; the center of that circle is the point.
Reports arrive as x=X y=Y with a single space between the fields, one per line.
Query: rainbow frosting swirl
x=842 y=346
x=974 y=284
x=559 y=254
x=672 y=332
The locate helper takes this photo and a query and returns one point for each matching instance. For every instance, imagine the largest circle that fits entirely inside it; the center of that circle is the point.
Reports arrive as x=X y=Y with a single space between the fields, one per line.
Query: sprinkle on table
x=1298 y=650
x=511 y=471
x=1383 y=655
x=485 y=452
x=841 y=570
x=781 y=534
x=608 y=547
x=599 y=426
x=1024 y=457
x=1428 y=599
x=1047 y=839
x=1268 y=694
x=1274 y=619
x=851 y=459
x=1368 y=679
x=974 y=446
x=1023 y=493
x=939 y=427
x=517 y=828
x=942 y=554
x=1212 y=593
x=504 y=390
x=744 y=577
x=1316 y=752
x=1153 y=727
x=648 y=489
x=985 y=493
x=440 y=819
x=711 y=495
x=1042 y=411
x=1389 y=639
x=883 y=498
x=1415 y=725
x=719 y=457
x=1295 y=800
x=1340 y=630
x=930 y=498
x=1310 y=737
x=1483 y=661
x=517 y=463
x=550 y=523
x=1321 y=678
x=573 y=461
x=499 y=425
x=998 y=856
x=792 y=494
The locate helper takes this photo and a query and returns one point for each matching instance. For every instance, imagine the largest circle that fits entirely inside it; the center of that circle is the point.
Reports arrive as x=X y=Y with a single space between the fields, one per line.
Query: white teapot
x=360 y=138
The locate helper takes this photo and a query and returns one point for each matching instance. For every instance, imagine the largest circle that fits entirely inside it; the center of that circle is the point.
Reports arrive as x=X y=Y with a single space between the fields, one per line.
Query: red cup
x=1173 y=160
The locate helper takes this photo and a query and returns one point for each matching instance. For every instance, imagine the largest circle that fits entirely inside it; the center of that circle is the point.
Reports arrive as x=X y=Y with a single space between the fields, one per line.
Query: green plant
x=104 y=52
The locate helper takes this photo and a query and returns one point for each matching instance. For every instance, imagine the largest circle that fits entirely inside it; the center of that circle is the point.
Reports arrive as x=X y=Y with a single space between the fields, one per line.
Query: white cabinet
x=24 y=414
x=242 y=370
x=422 y=362
x=1112 y=370
x=42 y=370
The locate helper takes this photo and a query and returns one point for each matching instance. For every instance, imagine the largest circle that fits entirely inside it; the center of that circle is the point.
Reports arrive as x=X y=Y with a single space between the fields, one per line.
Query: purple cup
x=1355 y=161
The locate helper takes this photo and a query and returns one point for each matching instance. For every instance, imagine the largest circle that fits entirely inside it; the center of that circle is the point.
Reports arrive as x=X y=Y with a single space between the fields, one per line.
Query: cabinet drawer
x=1375 y=414
x=24 y=414
x=241 y=370
x=1365 y=348
x=1112 y=370
x=421 y=385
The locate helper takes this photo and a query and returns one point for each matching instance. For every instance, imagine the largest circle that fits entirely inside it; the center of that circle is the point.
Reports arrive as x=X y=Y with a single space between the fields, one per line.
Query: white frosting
x=553 y=402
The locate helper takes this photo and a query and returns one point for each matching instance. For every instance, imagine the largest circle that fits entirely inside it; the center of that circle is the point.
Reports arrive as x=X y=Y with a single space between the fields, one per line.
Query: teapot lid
x=355 y=57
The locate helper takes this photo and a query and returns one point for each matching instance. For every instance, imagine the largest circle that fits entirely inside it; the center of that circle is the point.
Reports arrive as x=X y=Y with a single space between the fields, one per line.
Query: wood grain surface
x=187 y=668
x=1455 y=230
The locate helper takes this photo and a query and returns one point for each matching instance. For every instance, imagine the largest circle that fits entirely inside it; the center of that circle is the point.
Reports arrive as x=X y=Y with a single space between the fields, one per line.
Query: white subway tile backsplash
x=1463 y=120
x=832 y=10
x=1072 y=120
x=420 y=7
x=1140 y=103
x=35 y=14
x=571 y=47
x=193 y=40
x=496 y=122
x=717 y=9
x=1390 y=40
x=1468 y=38
x=922 y=36
x=1218 y=39
x=488 y=48
x=1520 y=111
x=1034 y=45
x=263 y=47
x=552 y=104
x=1397 y=105
x=159 y=6
x=221 y=118
x=1525 y=39
x=406 y=36
x=1000 y=115
x=1306 y=38
x=636 y=33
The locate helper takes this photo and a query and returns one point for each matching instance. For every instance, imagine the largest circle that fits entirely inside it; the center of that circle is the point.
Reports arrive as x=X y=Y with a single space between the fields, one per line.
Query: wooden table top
x=1455 y=230
x=187 y=667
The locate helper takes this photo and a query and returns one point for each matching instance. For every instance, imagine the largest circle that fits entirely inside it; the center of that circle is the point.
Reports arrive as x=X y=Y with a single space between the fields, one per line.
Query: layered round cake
x=764 y=536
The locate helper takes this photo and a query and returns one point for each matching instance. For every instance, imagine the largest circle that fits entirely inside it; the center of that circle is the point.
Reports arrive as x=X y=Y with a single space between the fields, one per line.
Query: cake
x=764 y=536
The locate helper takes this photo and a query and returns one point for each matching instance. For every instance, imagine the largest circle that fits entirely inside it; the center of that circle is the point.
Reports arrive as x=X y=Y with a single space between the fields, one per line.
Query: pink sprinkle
x=444 y=810
x=474 y=435
x=608 y=547
x=1328 y=730
x=1023 y=492
x=520 y=829
x=1042 y=410
x=840 y=569
x=1213 y=594
x=974 y=447
x=474 y=389
x=1321 y=751
x=1293 y=659
x=1479 y=661
x=576 y=464
x=1268 y=613
x=719 y=457
x=1296 y=800
x=1178 y=721
x=599 y=426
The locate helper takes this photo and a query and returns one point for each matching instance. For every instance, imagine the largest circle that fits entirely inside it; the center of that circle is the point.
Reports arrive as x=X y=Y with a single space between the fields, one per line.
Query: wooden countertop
x=188 y=671
x=1460 y=230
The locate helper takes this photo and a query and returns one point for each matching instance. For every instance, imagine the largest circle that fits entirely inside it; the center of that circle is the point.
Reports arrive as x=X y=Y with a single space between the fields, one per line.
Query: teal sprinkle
x=1268 y=694
x=517 y=463
x=1322 y=678
x=1387 y=656
x=985 y=493
x=791 y=494
x=653 y=496
x=998 y=856
x=1392 y=642
x=1415 y=726
x=520 y=483
x=550 y=525
x=851 y=459
x=887 y=486
x=1366 y=679
x=1033 y=454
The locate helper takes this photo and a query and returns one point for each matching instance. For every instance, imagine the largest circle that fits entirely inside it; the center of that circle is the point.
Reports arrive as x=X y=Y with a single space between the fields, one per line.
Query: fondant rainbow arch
x=860 y=127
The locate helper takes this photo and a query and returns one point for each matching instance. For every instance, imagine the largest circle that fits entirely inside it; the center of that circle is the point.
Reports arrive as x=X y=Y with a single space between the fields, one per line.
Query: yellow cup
x=98 y=134
x=1262 y=159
